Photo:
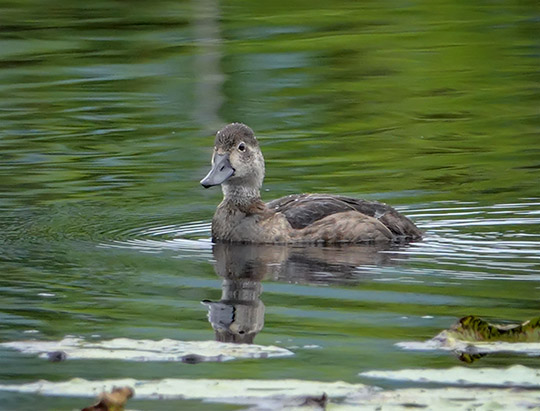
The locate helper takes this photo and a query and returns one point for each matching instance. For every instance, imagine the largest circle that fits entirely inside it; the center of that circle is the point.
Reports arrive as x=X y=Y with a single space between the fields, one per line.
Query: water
x=107 y=115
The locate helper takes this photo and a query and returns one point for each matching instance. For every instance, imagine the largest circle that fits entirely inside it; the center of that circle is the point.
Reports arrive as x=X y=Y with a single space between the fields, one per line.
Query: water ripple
x=460 y=247
x=188 y=238
x=477 y=244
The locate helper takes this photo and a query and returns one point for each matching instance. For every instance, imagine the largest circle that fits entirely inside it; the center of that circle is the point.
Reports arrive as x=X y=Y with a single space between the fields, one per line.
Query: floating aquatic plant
x=473 y=337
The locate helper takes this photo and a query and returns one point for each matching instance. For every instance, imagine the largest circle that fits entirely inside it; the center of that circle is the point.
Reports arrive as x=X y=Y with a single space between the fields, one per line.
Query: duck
x=242 y=216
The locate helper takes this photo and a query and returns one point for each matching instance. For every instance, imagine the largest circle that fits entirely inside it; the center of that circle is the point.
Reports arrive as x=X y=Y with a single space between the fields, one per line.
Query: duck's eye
x=242 y=147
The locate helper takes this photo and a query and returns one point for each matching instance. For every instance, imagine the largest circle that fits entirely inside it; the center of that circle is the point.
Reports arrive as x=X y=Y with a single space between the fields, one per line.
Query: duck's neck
x=240 y=196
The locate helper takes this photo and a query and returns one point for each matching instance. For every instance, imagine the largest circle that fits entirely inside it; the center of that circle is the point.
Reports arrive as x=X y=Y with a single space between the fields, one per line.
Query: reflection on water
x=452 y=254
x=239 y=315
x=461 y=241
x=497 y=241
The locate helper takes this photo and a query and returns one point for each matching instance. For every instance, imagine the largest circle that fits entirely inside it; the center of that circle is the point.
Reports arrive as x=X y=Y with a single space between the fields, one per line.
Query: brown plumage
x=238 y=165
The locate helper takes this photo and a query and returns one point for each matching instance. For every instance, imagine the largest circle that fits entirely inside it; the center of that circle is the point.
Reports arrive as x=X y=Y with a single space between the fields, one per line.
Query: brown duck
x=242 y=217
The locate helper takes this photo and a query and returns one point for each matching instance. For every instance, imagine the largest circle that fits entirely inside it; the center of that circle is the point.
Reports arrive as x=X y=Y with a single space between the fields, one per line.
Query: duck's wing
x=302 y=210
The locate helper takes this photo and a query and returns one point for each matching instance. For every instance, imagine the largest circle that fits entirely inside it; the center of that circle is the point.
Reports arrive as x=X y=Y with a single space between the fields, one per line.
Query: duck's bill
x=221 y=171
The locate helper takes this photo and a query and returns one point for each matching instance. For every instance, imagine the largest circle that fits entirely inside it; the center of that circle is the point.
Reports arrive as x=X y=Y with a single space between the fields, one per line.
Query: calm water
x=107 y=112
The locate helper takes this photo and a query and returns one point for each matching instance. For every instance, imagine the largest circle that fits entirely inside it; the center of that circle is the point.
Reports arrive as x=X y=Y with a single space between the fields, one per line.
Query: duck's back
x=305 y=210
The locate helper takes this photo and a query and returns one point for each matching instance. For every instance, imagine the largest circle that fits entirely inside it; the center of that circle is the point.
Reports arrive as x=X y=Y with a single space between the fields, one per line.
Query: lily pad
x=472 y=337
x=146 y=350
x=292 y=394
x=451 y=398
x=237 y=391
x=514 y=376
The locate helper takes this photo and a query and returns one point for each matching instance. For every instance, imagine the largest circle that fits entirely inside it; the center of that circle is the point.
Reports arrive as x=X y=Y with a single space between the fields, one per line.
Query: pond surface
x=107 y=117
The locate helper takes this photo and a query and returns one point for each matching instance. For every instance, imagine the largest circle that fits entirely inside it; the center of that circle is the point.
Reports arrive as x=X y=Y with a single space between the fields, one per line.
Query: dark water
x=107 y=112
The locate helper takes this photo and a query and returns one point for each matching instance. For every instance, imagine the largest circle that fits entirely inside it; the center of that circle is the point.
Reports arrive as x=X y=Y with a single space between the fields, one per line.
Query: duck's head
x=237 y=161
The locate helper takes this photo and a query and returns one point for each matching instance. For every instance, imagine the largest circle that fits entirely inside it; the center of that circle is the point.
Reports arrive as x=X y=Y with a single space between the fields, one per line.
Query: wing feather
x=301 y=210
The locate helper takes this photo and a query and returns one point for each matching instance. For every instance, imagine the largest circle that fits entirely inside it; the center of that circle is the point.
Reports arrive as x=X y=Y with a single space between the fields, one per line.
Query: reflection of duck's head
x=234 y=320
x=239 y=315
x=237 y=162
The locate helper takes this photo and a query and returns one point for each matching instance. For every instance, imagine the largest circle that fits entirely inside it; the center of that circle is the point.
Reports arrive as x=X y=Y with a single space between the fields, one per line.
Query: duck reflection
x=239 y=315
